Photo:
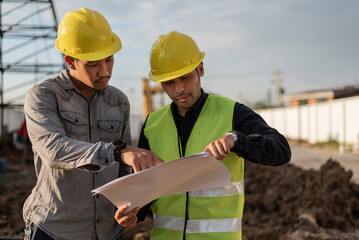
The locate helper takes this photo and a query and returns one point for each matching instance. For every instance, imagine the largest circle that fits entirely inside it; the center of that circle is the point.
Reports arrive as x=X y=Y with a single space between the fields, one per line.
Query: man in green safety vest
x=200 y=122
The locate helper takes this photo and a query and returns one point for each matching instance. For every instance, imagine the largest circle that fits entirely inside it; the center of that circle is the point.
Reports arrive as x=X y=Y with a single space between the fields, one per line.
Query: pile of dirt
x=284 y=202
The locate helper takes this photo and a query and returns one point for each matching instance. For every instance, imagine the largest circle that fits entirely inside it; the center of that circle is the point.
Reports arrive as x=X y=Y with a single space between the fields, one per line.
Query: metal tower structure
x=28 y=30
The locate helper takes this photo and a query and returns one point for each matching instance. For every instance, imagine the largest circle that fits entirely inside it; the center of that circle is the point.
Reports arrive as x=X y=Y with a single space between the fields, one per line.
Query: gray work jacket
x=68 y=132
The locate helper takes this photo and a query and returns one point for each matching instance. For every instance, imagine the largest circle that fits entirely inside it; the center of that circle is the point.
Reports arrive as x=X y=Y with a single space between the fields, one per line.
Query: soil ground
x=315 y=197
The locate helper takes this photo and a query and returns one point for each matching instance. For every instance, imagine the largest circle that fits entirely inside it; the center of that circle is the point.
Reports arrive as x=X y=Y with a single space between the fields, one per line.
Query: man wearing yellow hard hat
x=196 y=122
x=80 y=132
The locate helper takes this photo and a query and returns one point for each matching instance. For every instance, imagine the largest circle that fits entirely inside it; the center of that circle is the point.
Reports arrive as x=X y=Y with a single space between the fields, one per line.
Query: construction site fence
x=336 y=120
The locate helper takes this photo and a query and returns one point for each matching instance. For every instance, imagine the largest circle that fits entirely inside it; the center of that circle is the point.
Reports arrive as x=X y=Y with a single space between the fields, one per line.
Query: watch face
x=119 y=142
x=234 y=135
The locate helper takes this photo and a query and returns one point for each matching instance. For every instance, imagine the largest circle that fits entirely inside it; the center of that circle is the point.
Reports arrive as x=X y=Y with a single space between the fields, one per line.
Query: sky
x=314 y=44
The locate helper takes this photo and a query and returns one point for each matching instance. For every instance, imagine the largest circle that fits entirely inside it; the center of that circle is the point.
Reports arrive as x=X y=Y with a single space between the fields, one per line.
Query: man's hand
x=128 y=220
x=139 y=159
x=221 y=147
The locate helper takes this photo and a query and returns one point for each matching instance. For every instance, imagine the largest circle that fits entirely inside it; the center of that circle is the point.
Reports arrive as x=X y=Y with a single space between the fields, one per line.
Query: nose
x=179 y=86
x=103 y=69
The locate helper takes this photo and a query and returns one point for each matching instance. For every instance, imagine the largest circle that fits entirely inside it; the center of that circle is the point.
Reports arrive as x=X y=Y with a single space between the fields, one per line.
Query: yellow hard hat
x=85 y=34
x=173 y=55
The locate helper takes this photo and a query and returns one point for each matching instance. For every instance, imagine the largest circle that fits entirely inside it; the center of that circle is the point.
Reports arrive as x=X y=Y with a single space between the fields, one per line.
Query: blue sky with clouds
x=315 y=44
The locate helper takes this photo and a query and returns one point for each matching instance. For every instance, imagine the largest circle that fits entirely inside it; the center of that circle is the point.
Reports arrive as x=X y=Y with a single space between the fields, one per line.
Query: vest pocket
x=109 y=130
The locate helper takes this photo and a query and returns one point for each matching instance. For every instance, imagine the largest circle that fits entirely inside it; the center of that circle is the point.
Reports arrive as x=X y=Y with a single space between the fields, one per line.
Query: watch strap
x=118 y=145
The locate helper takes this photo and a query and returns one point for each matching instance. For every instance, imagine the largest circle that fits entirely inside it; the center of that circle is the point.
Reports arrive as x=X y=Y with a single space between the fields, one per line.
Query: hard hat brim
x=95 y=56
x=172 y=75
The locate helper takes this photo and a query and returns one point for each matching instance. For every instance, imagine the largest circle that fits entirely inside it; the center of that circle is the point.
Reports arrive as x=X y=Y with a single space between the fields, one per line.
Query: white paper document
x=190 y=173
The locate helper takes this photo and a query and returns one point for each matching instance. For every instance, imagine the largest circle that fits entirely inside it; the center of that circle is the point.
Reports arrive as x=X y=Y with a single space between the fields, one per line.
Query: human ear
x=201 y=69
x=70 y=62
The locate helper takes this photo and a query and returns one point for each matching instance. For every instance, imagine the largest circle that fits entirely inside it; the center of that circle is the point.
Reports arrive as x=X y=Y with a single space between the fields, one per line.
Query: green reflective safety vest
x=214 y=213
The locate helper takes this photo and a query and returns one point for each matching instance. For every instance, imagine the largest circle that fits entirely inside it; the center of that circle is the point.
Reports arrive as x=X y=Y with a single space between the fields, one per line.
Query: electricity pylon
x=28 y=30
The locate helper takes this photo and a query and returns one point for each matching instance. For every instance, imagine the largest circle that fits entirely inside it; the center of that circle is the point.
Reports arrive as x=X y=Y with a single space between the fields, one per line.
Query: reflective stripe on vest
x=198 y=226
x=235 y=189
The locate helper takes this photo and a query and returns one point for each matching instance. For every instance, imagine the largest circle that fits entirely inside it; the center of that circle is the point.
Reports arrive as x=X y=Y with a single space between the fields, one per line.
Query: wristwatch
x=233 y=134
x=118 y=145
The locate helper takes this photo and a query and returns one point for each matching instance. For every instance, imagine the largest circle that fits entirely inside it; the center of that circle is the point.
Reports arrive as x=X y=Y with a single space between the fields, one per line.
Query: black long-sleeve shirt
x=257 y=142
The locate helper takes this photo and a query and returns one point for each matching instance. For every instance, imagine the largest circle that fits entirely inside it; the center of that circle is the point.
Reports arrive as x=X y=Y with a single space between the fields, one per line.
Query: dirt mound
x=282 y=200
x=282 y=203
